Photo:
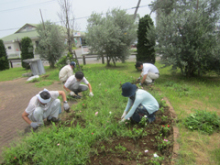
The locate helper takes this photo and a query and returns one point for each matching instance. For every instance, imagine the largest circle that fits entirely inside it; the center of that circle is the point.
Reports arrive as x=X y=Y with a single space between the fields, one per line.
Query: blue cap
x=128 y=89
x=73 y=63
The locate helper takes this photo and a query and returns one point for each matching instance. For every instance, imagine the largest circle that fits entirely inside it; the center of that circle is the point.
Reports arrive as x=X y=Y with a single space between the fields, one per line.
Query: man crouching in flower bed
x=141 y=103
x=44 y=105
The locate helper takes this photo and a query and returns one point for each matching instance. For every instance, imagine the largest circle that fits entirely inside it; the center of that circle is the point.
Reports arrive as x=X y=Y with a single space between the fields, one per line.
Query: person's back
x=148 y=67
x=65 y=73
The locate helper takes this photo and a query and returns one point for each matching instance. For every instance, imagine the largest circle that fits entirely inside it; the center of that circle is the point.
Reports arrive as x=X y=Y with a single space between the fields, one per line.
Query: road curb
x=175 y=132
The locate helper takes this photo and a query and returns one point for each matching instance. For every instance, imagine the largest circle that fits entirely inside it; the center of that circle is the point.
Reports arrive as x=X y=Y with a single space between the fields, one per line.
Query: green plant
x=156 y=161
x=204 y=121
x=165 y=129
x=120 y=148
x=26 y=51
x=164 y=118
x=143 y=121
x=3 y=57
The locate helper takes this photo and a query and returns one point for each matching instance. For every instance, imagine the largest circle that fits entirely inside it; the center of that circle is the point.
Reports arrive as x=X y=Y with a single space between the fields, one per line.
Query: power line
x=71 y=19
x=26 y=6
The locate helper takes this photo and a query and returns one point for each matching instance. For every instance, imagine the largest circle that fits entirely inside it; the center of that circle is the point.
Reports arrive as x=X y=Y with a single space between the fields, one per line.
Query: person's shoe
x=77 y=97
x=53 y=119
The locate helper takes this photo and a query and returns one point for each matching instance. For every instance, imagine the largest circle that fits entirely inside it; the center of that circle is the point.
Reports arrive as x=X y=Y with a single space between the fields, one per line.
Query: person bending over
x=44 y=105
x=149 y=72
x=73 y=85
x=140 y=102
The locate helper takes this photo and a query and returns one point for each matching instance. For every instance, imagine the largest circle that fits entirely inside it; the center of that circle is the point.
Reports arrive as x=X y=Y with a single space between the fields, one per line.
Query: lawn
x=83 y=136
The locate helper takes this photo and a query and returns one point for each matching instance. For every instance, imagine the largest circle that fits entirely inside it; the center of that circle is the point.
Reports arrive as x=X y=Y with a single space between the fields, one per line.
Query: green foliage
x=186 y=38
x=145 y=46
x=165 y=129
x=111 y=35
x=63 y=61
x=203 y=121
x=4 y=64
x=51 y=42
x=26 y=51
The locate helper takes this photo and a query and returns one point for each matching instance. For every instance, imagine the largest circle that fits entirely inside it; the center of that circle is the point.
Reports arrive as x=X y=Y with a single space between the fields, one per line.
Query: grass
x=187 y=96
x=12 y=73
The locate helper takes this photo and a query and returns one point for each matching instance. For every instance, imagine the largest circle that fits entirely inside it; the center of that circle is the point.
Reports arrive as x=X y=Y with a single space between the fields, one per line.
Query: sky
x=16 y=13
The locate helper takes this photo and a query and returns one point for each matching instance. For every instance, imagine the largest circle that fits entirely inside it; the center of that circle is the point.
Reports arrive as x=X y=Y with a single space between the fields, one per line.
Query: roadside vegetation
x=91 y=129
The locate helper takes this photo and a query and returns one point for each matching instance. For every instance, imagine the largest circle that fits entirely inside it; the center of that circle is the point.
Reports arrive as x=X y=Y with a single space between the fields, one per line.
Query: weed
x=203 y=121
x=164 y=118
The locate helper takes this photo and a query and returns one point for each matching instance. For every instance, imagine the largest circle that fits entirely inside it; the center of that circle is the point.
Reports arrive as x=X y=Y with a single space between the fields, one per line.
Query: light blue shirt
x=144 y=98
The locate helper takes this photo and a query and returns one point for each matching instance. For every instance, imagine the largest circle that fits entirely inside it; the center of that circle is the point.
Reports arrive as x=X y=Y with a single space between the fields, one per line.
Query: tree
x=68 y=21
x=111 y=35
x=3 y=57
x=186 y=37
x=145 y=46
x=26 y=51
x=51 y=42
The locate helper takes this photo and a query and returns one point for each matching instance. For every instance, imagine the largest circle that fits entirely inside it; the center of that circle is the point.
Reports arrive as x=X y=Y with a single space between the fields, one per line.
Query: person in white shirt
x=66 y=71
x=44 y=105
x=149 y=72
x=73 y=86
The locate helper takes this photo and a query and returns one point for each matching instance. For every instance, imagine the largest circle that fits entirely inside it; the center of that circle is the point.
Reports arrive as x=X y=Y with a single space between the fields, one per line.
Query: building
x=13 y=42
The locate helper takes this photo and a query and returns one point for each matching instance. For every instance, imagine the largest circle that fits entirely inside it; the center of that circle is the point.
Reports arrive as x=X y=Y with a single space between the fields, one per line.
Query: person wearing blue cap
x=66 y=71
x=140 y=102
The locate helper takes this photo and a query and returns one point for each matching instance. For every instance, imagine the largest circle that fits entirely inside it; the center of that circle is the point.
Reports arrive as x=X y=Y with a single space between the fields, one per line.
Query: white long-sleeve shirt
x=66 y=71
x=144 y=98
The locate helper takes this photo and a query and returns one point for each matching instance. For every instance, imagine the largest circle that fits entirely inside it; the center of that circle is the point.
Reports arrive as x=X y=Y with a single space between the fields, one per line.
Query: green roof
x=19 y=36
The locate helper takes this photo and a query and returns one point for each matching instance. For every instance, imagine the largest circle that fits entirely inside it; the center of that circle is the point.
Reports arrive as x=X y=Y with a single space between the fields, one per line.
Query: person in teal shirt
x=140 y=102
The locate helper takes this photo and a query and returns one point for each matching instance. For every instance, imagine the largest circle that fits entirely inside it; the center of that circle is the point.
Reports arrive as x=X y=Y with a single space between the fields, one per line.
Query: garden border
x=175 y=131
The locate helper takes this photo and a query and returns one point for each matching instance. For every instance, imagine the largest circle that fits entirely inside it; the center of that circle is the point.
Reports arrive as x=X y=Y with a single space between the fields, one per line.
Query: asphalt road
x=90 y=59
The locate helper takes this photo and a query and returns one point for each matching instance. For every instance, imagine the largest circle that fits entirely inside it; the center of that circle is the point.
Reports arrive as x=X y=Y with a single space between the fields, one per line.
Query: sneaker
x=53 y=119
x=77 y=97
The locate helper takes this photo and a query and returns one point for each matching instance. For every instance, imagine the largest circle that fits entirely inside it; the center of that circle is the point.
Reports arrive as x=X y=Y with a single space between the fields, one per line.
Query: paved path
x=14 y=98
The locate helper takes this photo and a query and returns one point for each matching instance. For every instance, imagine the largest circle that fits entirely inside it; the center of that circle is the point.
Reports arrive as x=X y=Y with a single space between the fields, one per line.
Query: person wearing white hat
x=66 y=71
x=44 y=105
x=140 y=102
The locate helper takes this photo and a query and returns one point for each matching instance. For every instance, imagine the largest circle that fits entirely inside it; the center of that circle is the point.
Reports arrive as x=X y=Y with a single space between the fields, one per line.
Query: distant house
x=13 y=42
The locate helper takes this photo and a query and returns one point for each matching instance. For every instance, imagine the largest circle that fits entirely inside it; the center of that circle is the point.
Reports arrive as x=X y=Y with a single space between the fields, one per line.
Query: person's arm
x=134 y=107
x=143 y=79
x=25 y=117
x=62 y=93
x=127 y=108
x=66 y=89
x=90 y=87
x=65 y=104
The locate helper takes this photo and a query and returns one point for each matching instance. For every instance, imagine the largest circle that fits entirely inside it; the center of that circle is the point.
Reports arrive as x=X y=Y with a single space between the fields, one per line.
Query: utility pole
x=135 y=13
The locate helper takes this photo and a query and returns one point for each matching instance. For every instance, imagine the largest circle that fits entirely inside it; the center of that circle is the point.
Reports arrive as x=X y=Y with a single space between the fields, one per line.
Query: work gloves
x=124 y=114
x=72 y=93
x=35 y=124
x=66 y=106
x=139 y=78
x=91 y=94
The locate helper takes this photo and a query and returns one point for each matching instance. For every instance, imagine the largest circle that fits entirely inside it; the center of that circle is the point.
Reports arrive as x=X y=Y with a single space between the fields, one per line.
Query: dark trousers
x=140 y=112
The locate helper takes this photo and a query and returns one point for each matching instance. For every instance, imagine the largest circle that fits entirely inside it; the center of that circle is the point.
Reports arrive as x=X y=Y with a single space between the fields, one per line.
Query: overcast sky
x=16 y=13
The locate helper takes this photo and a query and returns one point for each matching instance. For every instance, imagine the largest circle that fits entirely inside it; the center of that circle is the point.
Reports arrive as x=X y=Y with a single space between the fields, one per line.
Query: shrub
x=26 y=51
x=3 y=57
x=145 y=47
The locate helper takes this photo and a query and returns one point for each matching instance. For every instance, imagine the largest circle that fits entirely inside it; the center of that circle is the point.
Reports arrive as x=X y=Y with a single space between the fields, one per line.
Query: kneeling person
x=141 y=103
x=44 y=105
x=73 y=85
